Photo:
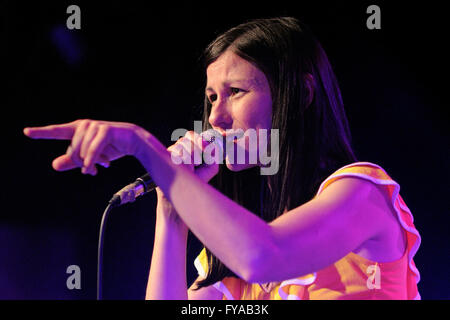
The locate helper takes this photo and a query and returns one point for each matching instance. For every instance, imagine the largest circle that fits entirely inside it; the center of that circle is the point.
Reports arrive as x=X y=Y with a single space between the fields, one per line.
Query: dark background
x=139 y=63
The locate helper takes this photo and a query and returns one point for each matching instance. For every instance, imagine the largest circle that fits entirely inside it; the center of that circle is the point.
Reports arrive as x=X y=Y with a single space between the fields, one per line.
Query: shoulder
x=367 y=191
x=363 y=186
x=360 y=200
x=351 y=188
x=341 y=218
x=358 y=181
x=352 y=209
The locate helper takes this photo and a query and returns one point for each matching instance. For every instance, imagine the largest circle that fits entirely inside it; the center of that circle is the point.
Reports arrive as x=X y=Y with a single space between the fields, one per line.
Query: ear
x=310 y=86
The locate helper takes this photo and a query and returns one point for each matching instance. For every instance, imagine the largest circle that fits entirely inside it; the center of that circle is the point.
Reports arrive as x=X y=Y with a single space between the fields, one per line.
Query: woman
x=324 y=226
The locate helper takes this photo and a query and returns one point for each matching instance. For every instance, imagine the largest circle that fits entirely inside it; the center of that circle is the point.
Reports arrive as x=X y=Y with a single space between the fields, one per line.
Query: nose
x=220 y=116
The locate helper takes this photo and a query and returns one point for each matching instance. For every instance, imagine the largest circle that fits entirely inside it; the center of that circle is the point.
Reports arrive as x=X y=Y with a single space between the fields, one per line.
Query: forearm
x=167 y=277
x=232 y=233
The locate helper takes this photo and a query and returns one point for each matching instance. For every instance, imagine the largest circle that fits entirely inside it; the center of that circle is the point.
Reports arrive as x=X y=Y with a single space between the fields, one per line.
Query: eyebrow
x=251 y=81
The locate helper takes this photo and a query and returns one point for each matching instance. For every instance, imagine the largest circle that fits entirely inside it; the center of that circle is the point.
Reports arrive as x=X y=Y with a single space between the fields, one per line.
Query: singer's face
x=240 y=96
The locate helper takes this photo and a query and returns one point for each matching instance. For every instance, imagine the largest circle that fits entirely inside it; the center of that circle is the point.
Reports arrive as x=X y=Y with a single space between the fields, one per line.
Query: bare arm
x=313 y=235
x=167 y=280
x=167 y=277
x=305 y=239
x=234 y=234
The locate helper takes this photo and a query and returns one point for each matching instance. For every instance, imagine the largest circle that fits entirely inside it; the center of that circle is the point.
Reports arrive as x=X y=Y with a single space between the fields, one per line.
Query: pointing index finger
x=63 y=131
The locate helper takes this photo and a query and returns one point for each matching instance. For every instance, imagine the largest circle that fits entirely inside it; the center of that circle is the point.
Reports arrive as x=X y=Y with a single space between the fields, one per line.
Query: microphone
x=145 y=183
x=131 y=192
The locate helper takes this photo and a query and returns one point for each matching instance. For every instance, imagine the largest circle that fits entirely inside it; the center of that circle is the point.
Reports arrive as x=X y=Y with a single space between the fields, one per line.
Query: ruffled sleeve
x=376 y=174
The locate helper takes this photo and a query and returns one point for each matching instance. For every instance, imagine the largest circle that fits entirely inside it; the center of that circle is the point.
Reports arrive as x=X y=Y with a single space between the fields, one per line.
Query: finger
x=92 y=170
x=175 y=153
x=87 y=140
x=186 y=150
x=74 y=149
x=193 y=144
x=198 y=139
x=183 y=151
x=96 y=147
x=63 y=131
x=187 y=156
x=63 y=163
x=203 y=142
x=103 y=161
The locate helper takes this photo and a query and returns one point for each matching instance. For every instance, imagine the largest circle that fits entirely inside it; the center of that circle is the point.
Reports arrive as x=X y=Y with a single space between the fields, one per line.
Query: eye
x=235 y=90
x=212 y=98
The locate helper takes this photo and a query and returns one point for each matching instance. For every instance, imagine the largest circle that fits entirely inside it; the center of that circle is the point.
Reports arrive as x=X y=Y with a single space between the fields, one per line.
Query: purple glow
x=68 y=44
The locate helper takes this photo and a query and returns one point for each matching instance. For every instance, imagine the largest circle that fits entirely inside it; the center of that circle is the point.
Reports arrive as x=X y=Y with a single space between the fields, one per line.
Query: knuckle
x=180 y=141
x=82 y=125
x=105 y=129
x=88 y=122
x=176 y=148
x=189 y=134
x=90 y=153
x=75 y=158
x=102 y=127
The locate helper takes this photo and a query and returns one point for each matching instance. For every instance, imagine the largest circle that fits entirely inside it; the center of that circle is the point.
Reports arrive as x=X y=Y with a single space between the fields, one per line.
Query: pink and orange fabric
x=352 y=277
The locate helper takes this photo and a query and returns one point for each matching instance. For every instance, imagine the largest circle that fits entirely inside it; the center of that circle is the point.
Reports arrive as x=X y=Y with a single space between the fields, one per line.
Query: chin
x=239 y=167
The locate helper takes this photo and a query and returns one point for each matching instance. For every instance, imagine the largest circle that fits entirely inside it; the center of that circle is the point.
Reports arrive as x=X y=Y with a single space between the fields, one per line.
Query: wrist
x=141 y=148
x=155 y=158
x=171 y=224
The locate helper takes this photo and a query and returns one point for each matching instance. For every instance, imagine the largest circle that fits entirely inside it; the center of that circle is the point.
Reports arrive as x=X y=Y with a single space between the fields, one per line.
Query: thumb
x=64 y=162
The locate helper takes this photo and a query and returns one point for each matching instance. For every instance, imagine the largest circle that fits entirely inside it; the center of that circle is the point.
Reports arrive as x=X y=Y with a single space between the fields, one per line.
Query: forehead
x=229 y=67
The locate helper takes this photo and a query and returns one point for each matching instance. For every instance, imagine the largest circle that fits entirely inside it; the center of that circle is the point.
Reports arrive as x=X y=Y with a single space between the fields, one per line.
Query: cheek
x=266 y=115
x=256 y=113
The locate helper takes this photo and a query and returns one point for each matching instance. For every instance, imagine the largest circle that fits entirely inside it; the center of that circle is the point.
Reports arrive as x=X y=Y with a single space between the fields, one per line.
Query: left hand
x=92 y=142
x=188 y=148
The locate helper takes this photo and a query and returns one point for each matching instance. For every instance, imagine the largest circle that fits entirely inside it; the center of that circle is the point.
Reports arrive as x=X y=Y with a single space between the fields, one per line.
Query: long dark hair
x=314 y=138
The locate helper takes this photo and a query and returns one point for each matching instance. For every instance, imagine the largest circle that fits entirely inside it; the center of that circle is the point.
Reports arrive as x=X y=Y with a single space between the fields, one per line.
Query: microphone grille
x=213 y=136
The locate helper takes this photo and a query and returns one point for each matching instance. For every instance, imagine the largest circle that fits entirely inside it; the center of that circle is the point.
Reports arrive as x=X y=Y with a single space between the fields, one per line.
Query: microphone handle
x=130 y=192
x=138 y=188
